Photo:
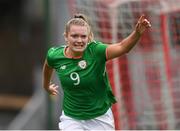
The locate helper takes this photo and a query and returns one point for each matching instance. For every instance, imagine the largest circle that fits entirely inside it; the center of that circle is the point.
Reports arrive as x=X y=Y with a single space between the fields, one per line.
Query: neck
x=72 y=54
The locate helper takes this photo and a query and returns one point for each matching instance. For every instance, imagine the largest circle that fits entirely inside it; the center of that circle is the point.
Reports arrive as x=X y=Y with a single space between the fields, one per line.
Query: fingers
x=53 y=89
x=146 y=23
x=142 y=25
x=142 y=20
x=142 y=17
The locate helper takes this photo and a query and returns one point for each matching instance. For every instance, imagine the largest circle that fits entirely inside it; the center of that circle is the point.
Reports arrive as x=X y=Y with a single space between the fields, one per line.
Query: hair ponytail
x=83 y=17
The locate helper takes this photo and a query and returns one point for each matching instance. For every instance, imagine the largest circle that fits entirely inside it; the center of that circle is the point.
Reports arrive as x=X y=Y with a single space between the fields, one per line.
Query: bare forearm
x=128 y=43
x=118 y=49
x=133 y=38
x=47 y=74
x=123 y=47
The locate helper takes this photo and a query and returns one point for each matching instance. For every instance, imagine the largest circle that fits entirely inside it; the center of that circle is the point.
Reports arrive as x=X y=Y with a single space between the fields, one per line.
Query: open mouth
x=79 y=47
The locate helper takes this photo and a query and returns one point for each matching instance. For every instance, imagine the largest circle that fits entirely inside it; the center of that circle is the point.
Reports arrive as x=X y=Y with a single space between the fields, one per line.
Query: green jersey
x=87 y=92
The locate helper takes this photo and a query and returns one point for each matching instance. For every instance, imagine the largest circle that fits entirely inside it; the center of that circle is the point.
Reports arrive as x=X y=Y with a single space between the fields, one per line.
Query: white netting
x=146 y=81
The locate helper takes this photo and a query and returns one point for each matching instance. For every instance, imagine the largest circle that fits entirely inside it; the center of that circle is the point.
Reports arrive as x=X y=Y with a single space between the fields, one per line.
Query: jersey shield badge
x=82 y=64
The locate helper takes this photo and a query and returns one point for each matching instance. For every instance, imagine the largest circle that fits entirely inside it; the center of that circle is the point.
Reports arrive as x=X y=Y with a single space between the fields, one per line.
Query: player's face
x=77 y=38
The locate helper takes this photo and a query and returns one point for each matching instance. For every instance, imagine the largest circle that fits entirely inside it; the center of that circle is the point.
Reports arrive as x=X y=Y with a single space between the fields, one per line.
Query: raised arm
x=123 y=47
x=47 y=74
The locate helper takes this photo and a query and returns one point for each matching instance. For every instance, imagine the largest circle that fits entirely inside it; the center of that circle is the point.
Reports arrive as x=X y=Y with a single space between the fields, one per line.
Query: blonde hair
x=81 y=20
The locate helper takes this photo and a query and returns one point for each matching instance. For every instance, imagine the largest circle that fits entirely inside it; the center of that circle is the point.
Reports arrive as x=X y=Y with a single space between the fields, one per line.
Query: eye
x=74 y=35
x=84 y=36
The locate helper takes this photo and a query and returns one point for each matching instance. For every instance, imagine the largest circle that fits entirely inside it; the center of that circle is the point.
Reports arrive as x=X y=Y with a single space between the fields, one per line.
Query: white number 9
x=75 y=77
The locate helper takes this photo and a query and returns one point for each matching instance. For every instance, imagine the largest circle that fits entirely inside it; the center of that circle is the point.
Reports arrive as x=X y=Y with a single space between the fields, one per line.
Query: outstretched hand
x=142 y=25
x=53 y=89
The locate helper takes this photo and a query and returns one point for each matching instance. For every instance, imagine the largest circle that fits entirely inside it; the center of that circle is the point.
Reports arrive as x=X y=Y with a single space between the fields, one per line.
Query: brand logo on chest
x=63 y=67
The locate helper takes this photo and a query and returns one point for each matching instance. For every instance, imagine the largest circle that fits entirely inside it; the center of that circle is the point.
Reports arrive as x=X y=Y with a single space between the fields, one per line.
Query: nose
x=79 y=39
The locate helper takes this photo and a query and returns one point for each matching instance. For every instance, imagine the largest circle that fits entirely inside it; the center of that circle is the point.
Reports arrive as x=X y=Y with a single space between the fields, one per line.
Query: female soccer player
x=80 y=66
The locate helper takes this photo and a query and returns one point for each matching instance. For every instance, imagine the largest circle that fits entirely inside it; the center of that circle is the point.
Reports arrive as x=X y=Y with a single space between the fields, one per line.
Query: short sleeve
x=49 y=57
x=100 y=50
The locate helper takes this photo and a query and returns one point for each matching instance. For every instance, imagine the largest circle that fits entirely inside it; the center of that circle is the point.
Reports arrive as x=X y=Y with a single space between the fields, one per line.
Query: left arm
x=123 y=47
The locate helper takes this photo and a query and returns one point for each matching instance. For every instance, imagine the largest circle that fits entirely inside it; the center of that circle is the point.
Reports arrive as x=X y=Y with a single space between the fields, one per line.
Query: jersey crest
x=82 y=64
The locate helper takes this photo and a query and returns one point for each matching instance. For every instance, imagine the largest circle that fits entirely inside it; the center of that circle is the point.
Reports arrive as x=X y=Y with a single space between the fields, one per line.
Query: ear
x=65 y=37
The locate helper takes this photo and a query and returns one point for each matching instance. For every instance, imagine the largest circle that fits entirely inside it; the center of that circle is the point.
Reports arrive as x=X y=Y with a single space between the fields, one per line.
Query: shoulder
x=98 y=49
x=54 y=51
x=54 y=54
x=95 y=43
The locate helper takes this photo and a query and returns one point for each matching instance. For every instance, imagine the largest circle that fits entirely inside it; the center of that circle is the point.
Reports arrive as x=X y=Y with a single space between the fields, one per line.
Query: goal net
x=146 y=81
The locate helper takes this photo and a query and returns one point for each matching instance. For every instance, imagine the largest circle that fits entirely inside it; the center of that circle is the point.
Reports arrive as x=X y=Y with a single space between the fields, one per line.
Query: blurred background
x=27 y=29
x=146 y=82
